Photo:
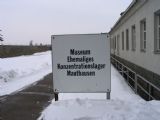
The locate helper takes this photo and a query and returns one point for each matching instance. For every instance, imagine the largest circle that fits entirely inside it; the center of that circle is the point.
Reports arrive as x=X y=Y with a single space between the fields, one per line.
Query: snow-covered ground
x=124 y=105
x=16 y=73
x=19 y=72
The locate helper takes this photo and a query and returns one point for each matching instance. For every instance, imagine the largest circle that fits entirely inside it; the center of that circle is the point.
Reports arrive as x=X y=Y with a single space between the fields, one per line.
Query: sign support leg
x=56 y=96
x=108 y=95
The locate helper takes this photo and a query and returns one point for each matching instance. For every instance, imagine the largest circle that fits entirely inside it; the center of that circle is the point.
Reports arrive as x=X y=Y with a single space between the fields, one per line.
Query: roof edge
x=124 y=13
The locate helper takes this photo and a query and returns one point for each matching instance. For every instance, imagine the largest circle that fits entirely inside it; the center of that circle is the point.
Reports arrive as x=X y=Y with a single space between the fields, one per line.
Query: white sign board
x=81 y=63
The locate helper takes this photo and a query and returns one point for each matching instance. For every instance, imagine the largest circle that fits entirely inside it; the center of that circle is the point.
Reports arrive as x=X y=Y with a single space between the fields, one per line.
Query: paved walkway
x=28 y=103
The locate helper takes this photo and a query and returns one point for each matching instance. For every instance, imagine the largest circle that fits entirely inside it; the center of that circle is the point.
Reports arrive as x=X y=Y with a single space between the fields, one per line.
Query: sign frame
x=55 y=38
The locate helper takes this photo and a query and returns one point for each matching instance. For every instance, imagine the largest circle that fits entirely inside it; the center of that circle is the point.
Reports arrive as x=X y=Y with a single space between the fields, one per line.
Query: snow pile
x=101 y=110
x=5 y=76
x=18 y=72
x=124 y=105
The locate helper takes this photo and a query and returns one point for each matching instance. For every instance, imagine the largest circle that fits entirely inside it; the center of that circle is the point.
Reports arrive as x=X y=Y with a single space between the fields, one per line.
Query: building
x=135 y=40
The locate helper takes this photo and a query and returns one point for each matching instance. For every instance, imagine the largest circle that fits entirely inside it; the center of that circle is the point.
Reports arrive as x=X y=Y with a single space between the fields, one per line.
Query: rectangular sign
x=81 y=63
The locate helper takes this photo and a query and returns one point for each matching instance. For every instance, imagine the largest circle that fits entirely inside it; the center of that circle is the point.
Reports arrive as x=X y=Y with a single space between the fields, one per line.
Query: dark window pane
x=144 y=36
x=144 y=44
x=115 y=42
x=122 y=40
x=159 y=19
x=159 y=33
x=159 y=37
x=144 y=25
x=127 y=39
x=159 y=44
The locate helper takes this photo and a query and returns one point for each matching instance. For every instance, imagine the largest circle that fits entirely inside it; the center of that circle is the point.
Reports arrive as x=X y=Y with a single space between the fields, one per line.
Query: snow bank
x=124 y=105
x=101 y=110
x=18 y=72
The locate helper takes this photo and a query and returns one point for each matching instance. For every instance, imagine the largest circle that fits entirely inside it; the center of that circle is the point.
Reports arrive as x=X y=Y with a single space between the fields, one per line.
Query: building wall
x=148 y=59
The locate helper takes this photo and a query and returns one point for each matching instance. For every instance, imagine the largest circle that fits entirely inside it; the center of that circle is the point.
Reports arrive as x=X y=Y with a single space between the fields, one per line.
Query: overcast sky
x=24 y=20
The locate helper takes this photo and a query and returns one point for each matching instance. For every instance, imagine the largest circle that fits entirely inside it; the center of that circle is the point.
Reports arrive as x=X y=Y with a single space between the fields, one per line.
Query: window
x=115 y=42
x=122 y=40
x=133 y=38
x=143 y=34
x=127 y=39
x=157 y=31
x=111 y=41
x=118 y=37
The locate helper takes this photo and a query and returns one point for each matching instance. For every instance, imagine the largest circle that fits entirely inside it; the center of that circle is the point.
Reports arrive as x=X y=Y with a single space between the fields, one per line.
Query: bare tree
x=1 y=38
x=31 y=43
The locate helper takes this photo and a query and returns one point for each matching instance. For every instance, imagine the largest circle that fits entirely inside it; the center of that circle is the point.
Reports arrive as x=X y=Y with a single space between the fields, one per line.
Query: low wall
x=148 y=75
x=17 y=50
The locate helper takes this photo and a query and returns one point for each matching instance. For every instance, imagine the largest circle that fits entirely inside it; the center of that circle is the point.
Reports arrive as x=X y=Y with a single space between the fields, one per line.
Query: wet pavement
x=28 y=103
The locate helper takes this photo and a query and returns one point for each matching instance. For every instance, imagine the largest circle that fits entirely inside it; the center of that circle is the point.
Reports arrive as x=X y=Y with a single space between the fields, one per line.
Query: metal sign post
x=56 y=96
x=108 y=95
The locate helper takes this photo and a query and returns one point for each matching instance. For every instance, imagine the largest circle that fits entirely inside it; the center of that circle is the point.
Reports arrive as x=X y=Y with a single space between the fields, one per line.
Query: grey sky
x=25 y=20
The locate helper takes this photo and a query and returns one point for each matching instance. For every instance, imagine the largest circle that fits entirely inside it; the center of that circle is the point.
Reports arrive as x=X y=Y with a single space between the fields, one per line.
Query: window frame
x=115 y=43
x=122 y=40
x=133 y=37
x=143 y=35
x=157 y=32
x=127 y=39
x=118 y=44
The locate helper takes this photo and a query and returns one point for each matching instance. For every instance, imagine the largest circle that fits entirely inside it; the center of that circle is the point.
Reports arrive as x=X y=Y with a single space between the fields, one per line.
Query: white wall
x=148 y=59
